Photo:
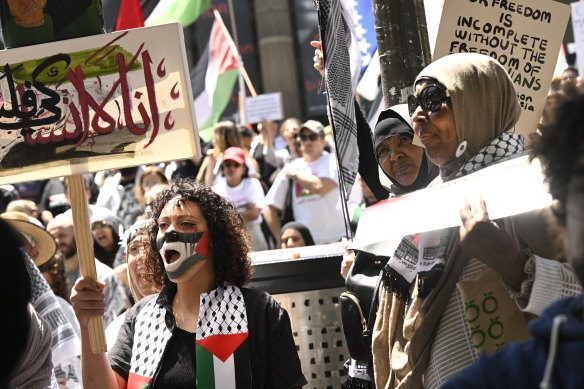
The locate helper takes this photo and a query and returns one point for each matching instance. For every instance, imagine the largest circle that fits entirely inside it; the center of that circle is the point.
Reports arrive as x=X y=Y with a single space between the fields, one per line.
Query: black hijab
x=391 y=123
x=304 y=231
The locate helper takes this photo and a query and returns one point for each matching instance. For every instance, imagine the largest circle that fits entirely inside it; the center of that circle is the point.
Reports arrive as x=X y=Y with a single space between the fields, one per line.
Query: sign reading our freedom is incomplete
x=523 y=35
x=94 y=103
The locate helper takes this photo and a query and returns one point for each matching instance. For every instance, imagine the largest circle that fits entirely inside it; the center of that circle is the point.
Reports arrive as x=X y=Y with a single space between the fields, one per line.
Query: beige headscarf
x=485 y=105
x=483 y=99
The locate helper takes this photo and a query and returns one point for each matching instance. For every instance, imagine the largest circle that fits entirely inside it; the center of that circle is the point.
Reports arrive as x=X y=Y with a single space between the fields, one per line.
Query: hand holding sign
x=482 y=238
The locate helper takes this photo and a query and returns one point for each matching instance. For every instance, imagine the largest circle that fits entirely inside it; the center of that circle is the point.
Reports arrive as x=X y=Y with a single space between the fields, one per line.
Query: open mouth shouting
x=181 y=251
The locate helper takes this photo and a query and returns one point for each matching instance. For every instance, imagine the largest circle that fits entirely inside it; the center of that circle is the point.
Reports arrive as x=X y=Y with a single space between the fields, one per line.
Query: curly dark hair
x=56 y=268
x=229 y=237
x=560 y=148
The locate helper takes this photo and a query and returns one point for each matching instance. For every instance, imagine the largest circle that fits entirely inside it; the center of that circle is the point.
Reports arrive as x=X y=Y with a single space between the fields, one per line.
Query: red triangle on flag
x=223 y=56
x=136 y=381
x=203 y=245
x=130 y=15
x=222 y=346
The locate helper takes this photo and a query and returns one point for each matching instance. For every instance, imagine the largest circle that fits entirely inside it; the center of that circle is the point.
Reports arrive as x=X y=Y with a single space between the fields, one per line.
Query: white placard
x=578 y=29
x=264 y=107
x=508 y=188
x=523 y=35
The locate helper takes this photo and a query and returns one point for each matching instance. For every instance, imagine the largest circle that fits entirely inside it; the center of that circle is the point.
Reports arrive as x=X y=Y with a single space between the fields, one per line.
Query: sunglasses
x=312 y=137
x=230 y=164
x=430 y=99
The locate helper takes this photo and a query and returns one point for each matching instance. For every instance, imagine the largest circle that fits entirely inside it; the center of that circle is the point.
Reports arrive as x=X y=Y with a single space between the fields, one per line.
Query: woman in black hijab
x=392 y=149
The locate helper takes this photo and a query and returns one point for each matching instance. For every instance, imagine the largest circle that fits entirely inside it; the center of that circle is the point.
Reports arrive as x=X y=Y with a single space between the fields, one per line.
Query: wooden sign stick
x=76 y=189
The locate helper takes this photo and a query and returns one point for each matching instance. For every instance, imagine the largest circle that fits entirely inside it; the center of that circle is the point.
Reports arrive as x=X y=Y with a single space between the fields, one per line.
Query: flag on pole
x=130 y=15
x=184 y=11
x=362 y=15
x=212 y=80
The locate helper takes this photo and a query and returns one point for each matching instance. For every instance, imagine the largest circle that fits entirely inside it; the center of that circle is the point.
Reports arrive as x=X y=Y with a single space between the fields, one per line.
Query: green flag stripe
x=205 y=370
x=223 y=91
x=184 y=11
x=221 y=96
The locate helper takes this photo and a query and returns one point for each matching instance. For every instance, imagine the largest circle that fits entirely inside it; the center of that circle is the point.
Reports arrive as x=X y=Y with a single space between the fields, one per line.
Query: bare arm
x=251 y=213
x=88 y=301
x=318 y=185
x=209 y=172
x=272 y=216
x=95 y=368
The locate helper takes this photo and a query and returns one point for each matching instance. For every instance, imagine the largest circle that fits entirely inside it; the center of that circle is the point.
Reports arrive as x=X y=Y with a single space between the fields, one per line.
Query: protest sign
x=508 y=188
x=264 y=107
x=578 y=29
x=94 y=103
x=523 y=35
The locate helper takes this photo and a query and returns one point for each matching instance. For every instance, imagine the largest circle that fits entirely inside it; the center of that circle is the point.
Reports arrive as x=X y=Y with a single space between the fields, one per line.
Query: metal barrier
x=307 y=283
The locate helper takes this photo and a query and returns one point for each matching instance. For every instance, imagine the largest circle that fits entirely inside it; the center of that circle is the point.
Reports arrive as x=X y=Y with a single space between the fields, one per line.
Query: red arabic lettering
x=174 y=93
x=168 y=121
x=161 y=71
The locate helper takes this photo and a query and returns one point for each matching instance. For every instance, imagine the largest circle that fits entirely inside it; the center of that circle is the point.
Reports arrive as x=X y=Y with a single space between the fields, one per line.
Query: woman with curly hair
x=204 y=329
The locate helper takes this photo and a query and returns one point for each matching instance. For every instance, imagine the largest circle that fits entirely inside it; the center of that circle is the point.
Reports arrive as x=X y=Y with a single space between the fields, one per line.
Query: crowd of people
x=172 y=244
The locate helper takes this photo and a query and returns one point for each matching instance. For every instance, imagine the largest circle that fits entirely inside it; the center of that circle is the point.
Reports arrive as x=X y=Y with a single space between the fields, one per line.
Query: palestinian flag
x=216 y=366
x=184 y=11
x=222 y=350
x=212 y=80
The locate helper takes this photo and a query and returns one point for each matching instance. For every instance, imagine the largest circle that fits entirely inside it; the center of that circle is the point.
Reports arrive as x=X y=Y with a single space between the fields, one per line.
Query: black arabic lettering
x=25 y=108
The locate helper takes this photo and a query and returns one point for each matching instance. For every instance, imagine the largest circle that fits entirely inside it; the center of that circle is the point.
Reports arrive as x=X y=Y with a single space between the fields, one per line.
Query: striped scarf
x=221 y=347
x=335 y=35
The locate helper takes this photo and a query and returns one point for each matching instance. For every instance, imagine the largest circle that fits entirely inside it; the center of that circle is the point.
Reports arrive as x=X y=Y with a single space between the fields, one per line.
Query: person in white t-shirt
x=315 y=189
x=244 y=192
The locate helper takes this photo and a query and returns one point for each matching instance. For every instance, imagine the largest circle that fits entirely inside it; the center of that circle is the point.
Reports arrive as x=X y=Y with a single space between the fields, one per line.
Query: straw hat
x=43 y=241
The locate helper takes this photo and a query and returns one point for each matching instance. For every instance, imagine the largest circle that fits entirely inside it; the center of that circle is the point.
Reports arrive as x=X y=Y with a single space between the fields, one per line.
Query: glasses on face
x=430 y=99
x=390 y=146
x=137 y=248
x=230 y=164
x=304 y=138
x=98 y=225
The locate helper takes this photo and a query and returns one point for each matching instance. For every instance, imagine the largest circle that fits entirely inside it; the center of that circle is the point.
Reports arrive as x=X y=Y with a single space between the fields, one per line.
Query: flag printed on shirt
x=212 y=80
x=221 y=341
x=221 y=330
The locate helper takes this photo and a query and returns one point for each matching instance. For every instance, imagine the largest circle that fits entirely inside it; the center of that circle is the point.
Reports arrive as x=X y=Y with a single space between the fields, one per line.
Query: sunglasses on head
x=304 y=138
x=430 y=99
x=230 y=164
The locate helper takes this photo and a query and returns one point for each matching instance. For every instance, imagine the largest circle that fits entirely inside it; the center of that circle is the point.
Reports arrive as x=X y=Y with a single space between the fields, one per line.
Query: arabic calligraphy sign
x=94 y=103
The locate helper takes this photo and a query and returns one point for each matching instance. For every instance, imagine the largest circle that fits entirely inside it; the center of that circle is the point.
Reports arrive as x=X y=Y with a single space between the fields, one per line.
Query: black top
x=274 y=360
x=178 y=367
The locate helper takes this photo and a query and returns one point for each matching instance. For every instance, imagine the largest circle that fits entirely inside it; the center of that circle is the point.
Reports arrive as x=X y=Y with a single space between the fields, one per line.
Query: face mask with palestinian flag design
x=180 y=251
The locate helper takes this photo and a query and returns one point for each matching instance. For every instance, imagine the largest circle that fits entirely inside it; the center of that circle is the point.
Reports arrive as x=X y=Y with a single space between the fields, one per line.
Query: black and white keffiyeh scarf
x=423 y=256
x=501 y=147
x=334 y=32
x=66 y=345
